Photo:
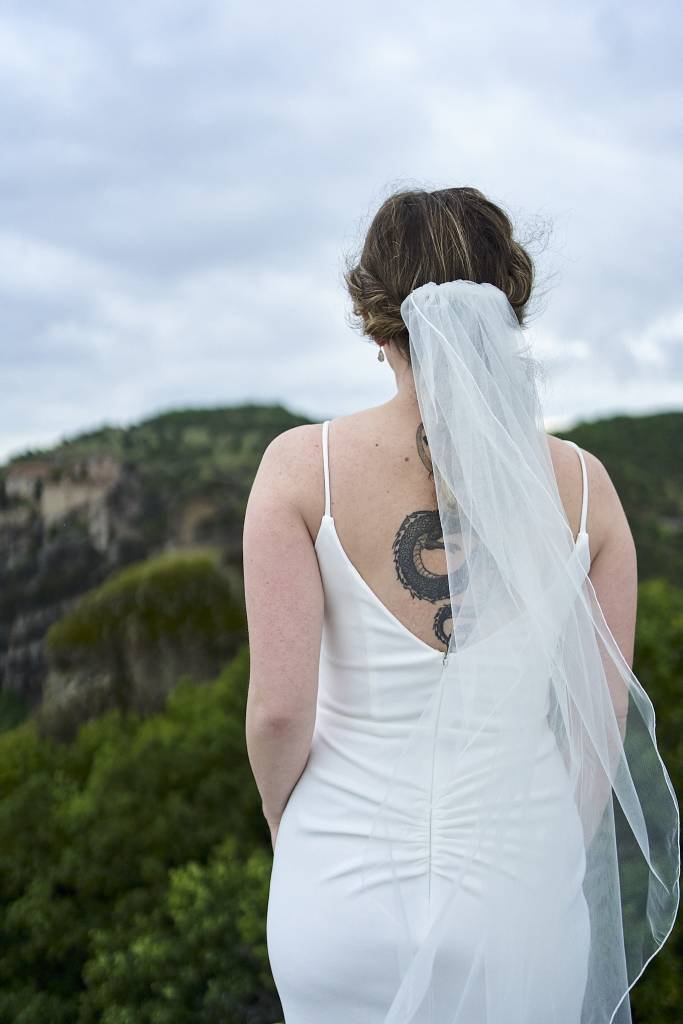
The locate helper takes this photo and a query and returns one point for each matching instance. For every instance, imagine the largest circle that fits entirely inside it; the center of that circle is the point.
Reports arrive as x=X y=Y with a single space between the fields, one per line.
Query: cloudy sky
x=180 y=183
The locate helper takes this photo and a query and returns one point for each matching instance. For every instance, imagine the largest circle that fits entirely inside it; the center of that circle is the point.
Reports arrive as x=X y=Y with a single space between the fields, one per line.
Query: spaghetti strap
x=326 y=466
x=584 y=477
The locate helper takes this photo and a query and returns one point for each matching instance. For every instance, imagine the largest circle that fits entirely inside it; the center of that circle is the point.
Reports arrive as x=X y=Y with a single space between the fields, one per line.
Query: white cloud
x=31 y=268
x=49 y=64
x=179 y=185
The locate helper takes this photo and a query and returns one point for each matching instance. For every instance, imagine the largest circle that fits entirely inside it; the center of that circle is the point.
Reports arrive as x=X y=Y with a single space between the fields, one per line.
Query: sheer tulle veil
x=530 y=656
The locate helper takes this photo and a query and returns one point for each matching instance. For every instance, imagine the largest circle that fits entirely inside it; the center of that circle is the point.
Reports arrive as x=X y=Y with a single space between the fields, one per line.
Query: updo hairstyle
x=418 y=236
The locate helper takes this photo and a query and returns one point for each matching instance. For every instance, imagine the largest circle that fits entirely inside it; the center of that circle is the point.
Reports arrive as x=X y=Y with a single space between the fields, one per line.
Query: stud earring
x=380 y=355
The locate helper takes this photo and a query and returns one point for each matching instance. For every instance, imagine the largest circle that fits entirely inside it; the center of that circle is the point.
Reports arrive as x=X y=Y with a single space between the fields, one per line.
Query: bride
x=470 y=818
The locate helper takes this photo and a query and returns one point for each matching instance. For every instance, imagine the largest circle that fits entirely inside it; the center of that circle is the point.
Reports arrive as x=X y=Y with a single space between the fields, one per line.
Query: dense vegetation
x=213 y=454
x=134 y=865
x=181 y=455
x=134 y=859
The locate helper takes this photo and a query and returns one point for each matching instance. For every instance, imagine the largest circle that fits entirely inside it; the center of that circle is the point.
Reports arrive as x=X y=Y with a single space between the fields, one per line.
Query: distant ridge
x=73 y=514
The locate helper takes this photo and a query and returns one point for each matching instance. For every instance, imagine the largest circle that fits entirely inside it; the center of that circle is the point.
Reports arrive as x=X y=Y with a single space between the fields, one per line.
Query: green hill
x=73 y=515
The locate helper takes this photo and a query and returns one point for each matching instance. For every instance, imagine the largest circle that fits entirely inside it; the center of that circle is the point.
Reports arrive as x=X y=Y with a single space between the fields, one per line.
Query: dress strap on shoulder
x=326 y=465
x=584 y=476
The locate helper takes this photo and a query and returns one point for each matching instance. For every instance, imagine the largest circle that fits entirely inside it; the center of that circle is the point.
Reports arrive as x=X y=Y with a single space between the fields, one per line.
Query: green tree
x=93 y=832
x=658 y=997
x=135 y=861
x=200 y=959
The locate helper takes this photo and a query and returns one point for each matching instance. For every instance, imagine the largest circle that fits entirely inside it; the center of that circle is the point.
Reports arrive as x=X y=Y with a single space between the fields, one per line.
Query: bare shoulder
x=291 y=469
x=296 y=453
x=304 y=441
x=607 y=524
x=293 y=449
x=290 y=458
x=563 y=455
x=289 y=474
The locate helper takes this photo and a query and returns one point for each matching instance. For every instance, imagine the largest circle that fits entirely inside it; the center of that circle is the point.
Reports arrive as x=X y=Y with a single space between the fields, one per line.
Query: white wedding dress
x=332 y=951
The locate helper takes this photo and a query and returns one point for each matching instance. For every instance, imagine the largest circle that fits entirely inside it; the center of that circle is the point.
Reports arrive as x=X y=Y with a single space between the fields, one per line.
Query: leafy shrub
x=104 y=845
x=126 y=643
x=135 y=861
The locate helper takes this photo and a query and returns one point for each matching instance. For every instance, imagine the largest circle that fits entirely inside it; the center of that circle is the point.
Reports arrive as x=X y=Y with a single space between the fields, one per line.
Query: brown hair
x=418 y=236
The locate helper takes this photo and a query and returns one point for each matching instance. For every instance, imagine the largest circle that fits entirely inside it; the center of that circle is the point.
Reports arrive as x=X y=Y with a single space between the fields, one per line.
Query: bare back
x=383 y=503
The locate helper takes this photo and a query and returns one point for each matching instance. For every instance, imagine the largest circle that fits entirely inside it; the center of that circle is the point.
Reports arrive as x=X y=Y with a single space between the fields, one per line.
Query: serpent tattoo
x=423 y=448
x=421 y=531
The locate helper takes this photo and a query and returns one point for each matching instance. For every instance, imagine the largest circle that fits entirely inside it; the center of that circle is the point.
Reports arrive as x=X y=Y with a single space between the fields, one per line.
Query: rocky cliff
x=72 y=515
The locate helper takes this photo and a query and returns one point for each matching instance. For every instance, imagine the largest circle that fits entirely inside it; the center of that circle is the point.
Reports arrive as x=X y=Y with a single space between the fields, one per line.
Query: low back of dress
x=333 y=954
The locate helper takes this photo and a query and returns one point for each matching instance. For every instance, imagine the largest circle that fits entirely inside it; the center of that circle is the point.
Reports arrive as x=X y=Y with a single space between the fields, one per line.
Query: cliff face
x=73 y=515
x=63 y=528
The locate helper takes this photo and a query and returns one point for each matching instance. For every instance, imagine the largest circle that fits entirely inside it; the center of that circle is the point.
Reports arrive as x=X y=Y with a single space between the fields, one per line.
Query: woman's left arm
x=284 y=604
